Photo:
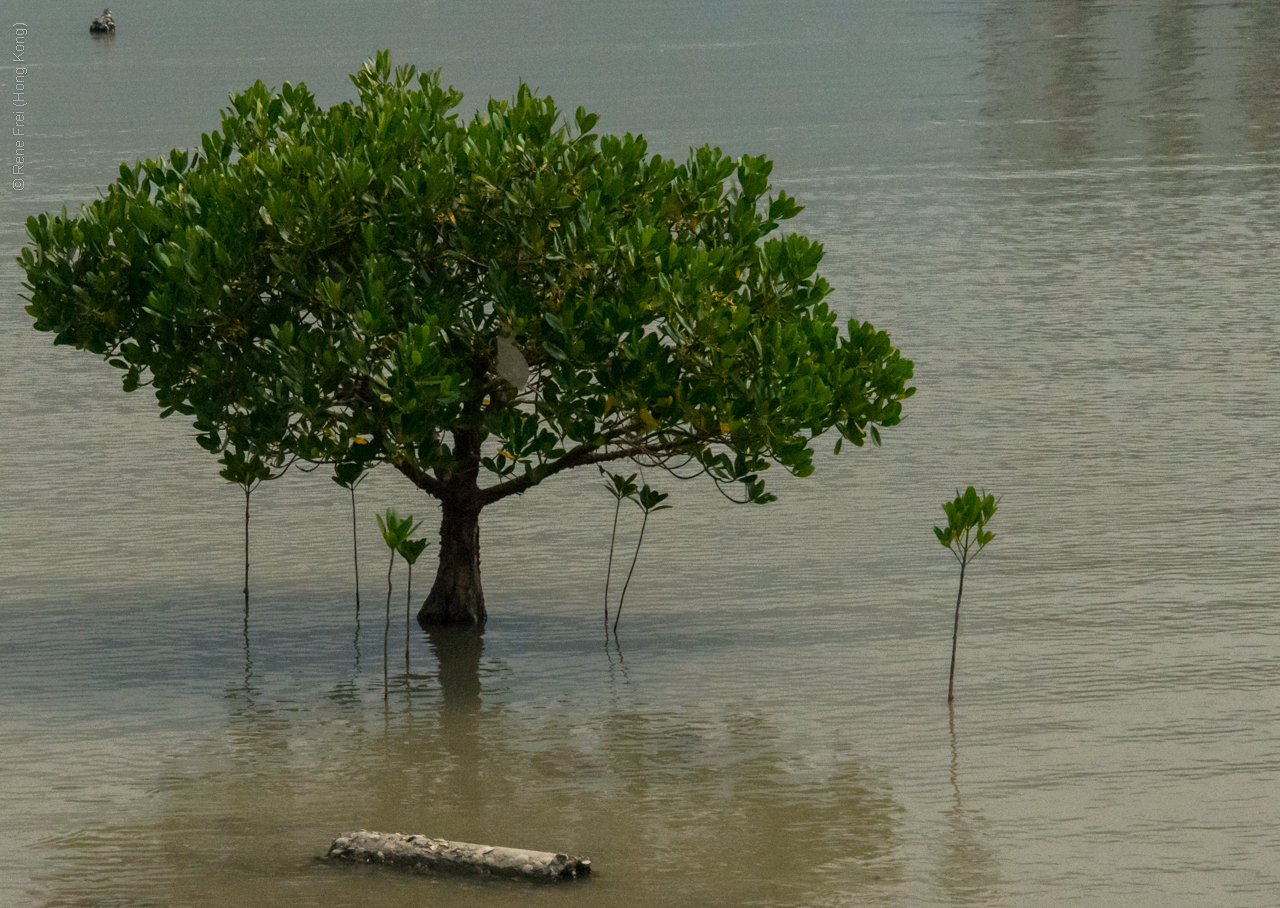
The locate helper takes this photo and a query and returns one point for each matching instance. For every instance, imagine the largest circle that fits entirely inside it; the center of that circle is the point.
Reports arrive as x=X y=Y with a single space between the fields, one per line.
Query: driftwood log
x=421 y=854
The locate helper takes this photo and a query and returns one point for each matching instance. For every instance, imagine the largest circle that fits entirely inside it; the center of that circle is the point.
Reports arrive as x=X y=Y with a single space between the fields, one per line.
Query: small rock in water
x=104 y=24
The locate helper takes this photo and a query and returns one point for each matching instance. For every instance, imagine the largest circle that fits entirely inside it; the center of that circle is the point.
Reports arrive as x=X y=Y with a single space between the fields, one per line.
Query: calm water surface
x=1066 y=213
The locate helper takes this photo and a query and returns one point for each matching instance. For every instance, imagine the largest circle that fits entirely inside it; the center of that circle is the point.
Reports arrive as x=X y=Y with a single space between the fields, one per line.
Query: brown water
x=1067 y=214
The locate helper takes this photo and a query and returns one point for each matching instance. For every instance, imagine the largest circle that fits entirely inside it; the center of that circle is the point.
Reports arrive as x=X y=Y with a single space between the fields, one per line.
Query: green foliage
x=651 y=500
x=481 y=303
x=965 y=536
x=246 y=471
x=621 y=487
x=396 y=531
x=967 y=516
x=338 y=285
x=350 y=473
x=411 y=549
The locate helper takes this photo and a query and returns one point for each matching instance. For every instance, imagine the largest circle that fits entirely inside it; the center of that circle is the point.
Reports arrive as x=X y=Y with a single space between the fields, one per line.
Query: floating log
x=423 y=855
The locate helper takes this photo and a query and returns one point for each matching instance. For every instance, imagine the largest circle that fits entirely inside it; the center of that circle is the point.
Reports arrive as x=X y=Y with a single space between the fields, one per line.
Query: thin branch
x=582 y=455
x=668 y=444
x=720 y=489
x=422 y=479
x=672 y=470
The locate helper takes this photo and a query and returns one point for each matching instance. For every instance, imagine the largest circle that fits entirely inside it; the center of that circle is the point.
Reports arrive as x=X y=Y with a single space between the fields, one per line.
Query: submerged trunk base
x=456 y=597
x=453 y=607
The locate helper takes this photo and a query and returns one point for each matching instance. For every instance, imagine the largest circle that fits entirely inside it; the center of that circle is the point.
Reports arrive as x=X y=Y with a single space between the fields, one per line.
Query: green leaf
x=411 y=549
x=586 y=121
x=967 y=515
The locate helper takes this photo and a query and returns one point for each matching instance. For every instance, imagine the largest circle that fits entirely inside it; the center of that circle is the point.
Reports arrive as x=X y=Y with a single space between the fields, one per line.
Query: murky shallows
x=1065 y=213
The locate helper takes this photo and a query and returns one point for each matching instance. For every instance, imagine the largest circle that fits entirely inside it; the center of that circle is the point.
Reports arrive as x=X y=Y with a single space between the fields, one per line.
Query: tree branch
x=580 y=456
x=421 y=478
x=584 y=455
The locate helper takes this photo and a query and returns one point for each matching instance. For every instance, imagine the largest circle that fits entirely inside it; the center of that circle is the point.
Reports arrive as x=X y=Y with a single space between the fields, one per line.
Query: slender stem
x=955 y=633
x=386 y=633
x=618 y=613
x=248 y=655
x=407 y=597
x=608 y=573
x=355 y=550
x=247 y=490
x=955 y=755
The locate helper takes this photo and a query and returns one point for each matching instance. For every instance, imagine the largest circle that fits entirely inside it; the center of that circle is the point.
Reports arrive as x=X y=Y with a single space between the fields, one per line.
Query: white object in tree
x=512 y=367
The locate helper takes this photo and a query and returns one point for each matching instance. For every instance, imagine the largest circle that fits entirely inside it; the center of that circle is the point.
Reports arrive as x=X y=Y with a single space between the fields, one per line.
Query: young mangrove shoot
x=248 y=473
x=649 y=502
x=619 y=488
x=410 y=550
x=248 y=488
x=349 y=475
x=965 y=536
x=395 y=532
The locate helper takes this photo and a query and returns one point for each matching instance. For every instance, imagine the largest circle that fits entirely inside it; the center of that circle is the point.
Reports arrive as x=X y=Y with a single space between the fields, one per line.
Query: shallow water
x=1066 y=214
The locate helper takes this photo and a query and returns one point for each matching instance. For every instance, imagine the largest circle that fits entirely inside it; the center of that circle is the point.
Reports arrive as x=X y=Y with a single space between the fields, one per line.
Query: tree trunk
x=456 y=597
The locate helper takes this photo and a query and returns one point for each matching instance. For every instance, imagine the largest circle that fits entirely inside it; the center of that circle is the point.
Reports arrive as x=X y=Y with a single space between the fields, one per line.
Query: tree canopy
x=507 y=296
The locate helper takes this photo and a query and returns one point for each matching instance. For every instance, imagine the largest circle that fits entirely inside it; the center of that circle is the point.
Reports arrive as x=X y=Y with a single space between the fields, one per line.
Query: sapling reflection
x=965 y=536
x=649 y=501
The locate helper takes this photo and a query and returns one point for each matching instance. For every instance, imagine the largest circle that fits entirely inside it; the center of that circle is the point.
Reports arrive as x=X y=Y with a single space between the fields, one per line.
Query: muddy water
x=1065 y=213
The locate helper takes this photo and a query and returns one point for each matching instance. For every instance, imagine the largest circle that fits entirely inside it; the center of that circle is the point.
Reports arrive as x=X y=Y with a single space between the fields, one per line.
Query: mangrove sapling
x=349 y=475
x=248 y=488
x=395 y=531
x=649 y=502
x=965 y=536
x=619 y=488
x=410 y=550
x=247 y=473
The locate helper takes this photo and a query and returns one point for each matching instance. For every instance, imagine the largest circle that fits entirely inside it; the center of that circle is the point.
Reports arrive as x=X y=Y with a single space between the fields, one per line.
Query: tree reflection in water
x=967 y=872
x=715 y=801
